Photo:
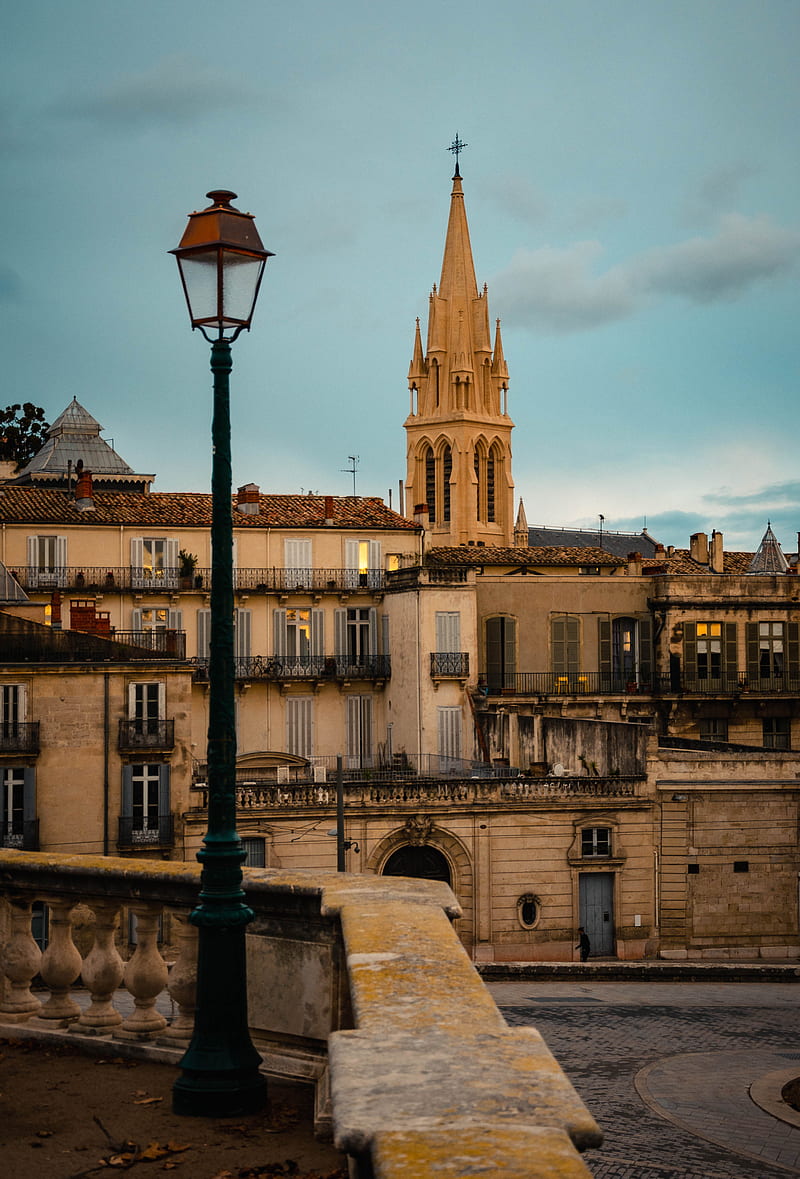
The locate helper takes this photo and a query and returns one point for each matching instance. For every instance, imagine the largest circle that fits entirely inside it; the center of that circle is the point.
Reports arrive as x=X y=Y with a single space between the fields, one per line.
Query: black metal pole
x=340 y=846
x=220 y=1069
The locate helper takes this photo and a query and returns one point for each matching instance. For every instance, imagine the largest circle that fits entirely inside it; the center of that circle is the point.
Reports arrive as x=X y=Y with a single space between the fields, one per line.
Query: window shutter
x=241 y=633
x=203 y=634
x=689 y=651
x=509 y=651
x=317 y=632
x=645 y=651
x=299 y=725
x=28 y=794
x=137 y=557
x=162 y=700
x=171 y=572
x=22 y=702
x=375 y=570
x=751 y=643
x=279 y=632
x=558 y=645
x=792 y=653
x=373 y=631
x=604 y=651
x=164 y=805
x=731 y=673
x=449 y=726
x=494 y=652
x=127 y=792
x=33 y=556
x=132 y=695
x=61 y=559
x=573 y=644
x=448 y=627
x=340 y=632
x=297 y=562
x=136 y=618
x=351 y=554
x=353 y=734
x=384 y=634
x=366 y=730
x=175 y=619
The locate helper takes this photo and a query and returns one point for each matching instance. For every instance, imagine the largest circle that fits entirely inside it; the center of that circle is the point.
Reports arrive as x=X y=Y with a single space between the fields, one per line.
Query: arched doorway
x=424 y=863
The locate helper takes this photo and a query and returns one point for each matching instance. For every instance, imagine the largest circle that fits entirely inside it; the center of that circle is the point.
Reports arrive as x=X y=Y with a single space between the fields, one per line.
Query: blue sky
x=631 y=180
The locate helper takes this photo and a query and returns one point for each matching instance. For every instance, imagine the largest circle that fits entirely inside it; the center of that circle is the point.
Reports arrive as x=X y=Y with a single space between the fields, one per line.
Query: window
x=430 y=485
x=596 y=841
x=300 y=725
x=145 y=816
x=255 y=852
x=12 y=709
x=298 y=633
x=501 y=654
x=298 y=641
x=710 y=656
x=356 y=636
x=625 y=653
x=146 y=706
x=770 y=650
x=565 y=650
x=713 y=728
x=17 y=808
x=528 y=908
x=448 y=658
x=589 y=570
x=447 y=471
x=359 y=731
x=297 y=564
x=154 y=562
x=777 y=732
x=47 y=561
x=151 y=619
x=363 y=564
x=449 y=732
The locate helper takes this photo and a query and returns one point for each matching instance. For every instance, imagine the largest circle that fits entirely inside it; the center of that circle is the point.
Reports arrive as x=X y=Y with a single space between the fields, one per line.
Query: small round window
x=528 y=909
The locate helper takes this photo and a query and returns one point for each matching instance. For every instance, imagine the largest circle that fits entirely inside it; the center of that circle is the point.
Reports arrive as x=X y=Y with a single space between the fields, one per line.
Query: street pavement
x=665 y=1068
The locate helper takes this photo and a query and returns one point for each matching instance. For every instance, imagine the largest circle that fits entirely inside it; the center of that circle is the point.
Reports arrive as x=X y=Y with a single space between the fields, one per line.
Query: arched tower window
x=491 y=467
x=447 y=470
x=430 y=485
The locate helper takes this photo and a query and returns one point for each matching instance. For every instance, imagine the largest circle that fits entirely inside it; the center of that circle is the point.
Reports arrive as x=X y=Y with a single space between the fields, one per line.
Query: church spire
x=458 y=430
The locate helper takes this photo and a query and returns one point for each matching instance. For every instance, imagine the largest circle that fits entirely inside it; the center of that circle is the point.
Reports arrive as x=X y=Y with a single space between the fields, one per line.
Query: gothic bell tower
x=458 y=431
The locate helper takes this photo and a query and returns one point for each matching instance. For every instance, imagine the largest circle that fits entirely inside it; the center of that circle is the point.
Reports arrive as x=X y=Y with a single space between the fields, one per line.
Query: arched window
x=423 y=863
x=447 y=470
x=490 y=482
x=430 y=485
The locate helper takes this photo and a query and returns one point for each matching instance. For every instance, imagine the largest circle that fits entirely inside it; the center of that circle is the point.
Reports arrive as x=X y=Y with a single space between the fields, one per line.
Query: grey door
x=596 y=898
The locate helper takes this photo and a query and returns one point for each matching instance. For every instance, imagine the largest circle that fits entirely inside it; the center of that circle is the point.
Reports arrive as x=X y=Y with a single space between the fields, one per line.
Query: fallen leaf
x=44 y=1133
x=148 y=1100
x=154 y=1151
x=177 y=1147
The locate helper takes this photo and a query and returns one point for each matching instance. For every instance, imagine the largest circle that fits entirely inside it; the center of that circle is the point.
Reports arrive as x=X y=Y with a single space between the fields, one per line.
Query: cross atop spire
x=456 y=147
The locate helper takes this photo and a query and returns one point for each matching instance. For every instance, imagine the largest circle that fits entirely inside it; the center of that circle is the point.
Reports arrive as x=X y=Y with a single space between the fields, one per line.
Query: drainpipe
x=420 y=656
x=105 y=761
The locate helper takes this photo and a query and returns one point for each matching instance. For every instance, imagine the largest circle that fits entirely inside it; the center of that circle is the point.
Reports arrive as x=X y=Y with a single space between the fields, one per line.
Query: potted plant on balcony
x=188 y=564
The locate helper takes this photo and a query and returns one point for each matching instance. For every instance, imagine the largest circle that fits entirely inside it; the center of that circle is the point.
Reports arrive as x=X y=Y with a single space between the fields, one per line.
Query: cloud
x=175 y=90
x=517 y=196
x=717 y=192
x=559 y=290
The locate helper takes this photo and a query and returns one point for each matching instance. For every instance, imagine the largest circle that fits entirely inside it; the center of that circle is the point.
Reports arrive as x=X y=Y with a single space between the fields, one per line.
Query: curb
x=653 y=970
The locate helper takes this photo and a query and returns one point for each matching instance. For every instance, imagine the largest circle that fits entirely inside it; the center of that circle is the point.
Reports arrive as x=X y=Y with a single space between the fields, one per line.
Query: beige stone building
x=570 y=729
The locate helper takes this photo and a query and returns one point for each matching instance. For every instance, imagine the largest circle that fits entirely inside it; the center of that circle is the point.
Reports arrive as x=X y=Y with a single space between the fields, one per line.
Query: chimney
x=248 y=499
x=698 y=548
x=84 y=501
x=329 y=511
x=717 y=561
x=634 y=564
x=421 y=515
x=55 y=610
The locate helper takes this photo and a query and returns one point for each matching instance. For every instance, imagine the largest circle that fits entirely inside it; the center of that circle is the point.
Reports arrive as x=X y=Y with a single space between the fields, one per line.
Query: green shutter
x=494 y=654
x=163 y=790
x=509 y=653
x=689 y=652
x=573 y=644
x=127 y=792
x=645 y=652
x=792 y=654
x=29 y=794
x=751 y=637
x=604 y=649
x=731 y=672
x=558 y=645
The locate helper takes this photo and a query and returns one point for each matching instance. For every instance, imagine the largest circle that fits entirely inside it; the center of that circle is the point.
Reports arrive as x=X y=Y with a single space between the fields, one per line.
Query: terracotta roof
x=482 y=555
x=33 y=505
x=681 y=563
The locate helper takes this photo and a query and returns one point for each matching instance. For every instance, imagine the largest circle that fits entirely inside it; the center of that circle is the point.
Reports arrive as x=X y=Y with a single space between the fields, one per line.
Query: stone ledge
x=481 y=1149
x=650 y=970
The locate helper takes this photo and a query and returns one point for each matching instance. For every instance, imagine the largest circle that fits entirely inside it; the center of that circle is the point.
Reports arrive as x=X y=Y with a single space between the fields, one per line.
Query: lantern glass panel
x=240 y=286
x=199 y=272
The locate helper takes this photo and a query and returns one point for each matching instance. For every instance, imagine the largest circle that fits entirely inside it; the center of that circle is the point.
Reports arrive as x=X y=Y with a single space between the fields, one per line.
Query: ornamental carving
x=418 y=829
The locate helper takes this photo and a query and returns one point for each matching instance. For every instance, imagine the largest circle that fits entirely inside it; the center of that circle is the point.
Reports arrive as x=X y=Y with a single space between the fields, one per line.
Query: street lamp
x=221 y=260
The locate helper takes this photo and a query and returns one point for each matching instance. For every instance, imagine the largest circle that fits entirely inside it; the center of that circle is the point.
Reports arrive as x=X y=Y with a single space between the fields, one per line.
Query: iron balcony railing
x=146 y=733
x=322 y=769
x=598 y=683
x=735 y=682
x=19 y=737
x=20 y=834
x=137 y=831
x=449 y=663
x=74 y=646
x=101 y=579
x=301 y=667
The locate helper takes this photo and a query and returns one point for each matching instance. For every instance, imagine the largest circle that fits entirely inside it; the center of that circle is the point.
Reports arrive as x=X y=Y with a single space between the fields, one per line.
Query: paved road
x=666 y=1067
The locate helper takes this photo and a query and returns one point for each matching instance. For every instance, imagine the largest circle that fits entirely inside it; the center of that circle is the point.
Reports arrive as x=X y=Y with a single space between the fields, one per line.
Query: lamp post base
x=219 y=1095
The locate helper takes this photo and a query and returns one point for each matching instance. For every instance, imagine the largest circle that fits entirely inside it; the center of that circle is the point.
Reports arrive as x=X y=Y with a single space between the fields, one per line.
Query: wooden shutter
x=172 y=572
x=297 y=562
x=203 y=634
x=645 y=651
x=136 y=618
x=604 y=652
x=279 y=633
x=731 y=654
x=792 y=654
x=163 y=790
x=33 y=561
x=558 y=644
x=317 y=632
x=353 y=735
x=373 y=631
x=127 y=792
x=175 y=619
x=340 y=632
x=689 y=652
x=299 y=725
x=751 y=646
x=137 y=557
x=375 y=571
x=449 y=732
x=448 y=631
x=28 y=794
x=242 y=622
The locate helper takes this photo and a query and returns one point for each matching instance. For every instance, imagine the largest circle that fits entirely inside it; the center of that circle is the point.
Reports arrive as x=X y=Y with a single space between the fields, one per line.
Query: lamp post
x=221 y=260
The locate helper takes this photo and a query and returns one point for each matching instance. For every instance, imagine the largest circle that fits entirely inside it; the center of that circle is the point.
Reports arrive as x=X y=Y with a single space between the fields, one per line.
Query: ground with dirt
x=64 y=1115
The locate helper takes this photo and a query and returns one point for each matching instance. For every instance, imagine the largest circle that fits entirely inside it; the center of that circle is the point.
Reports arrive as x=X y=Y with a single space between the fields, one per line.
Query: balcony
x=574 y=683
x=146 y=734
x=130 y=579
x=19 y=737
x=357 y=1031
x=22 y=834
x=283 y=668
x=449 y=665
x=138 y=832
x=45 y=645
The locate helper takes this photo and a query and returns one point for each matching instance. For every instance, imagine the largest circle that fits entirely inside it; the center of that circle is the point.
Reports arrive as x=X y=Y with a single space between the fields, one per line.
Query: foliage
x=23 y=430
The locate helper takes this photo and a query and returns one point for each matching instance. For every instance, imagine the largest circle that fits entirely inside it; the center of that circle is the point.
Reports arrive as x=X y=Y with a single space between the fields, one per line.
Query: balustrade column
x=19 y=959
x=182 y=984
x=103 y=970
x=145 y=977
x=61 y=963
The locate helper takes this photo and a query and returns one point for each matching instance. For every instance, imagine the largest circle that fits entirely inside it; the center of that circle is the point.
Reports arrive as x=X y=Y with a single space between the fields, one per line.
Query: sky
x=631 y=185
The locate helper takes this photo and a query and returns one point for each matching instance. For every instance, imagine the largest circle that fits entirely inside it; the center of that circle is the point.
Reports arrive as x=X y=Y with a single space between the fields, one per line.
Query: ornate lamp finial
x=456 y=147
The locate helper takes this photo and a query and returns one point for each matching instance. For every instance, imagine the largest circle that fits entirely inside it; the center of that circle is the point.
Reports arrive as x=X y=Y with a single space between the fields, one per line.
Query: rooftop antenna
x=456 y=147
x=351 y=470
x=602 y=518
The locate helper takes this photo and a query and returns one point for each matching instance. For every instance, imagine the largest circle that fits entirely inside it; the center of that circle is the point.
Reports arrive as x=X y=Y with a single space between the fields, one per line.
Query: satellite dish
x=558 y=769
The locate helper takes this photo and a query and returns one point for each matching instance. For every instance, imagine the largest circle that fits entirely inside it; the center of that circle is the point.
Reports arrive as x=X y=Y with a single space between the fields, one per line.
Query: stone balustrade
x=358 y=984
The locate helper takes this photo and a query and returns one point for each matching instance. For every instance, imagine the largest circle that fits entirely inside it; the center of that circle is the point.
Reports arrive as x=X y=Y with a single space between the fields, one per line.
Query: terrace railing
x=73 y=646
x=19 y=737
x=306 y=667
x=101 y=579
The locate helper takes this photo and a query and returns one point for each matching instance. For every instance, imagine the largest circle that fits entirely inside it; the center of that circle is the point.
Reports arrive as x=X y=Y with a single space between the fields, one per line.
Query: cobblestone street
x=666 y=1067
